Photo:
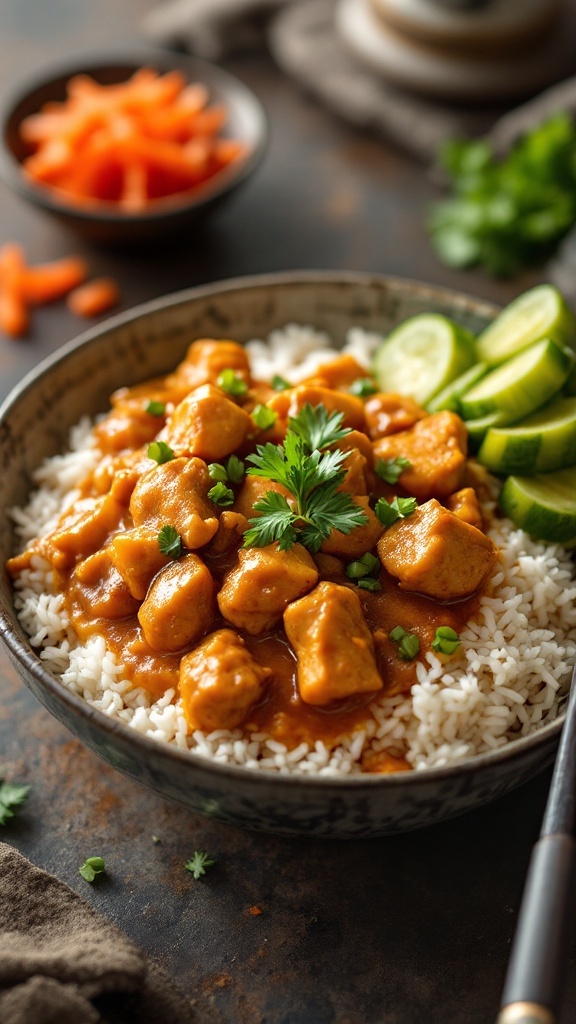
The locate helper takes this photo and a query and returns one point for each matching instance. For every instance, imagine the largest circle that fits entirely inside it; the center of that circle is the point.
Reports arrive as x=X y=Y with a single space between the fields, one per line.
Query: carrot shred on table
x=94 y=297
x=51 y=281
x=128 y=143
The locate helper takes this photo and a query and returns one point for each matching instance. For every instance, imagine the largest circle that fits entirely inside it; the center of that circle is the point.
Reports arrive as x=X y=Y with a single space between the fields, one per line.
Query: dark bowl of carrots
x=126 y=148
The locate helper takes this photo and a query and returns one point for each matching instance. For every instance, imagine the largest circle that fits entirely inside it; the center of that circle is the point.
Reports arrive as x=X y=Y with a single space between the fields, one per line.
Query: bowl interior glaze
x=77 y=380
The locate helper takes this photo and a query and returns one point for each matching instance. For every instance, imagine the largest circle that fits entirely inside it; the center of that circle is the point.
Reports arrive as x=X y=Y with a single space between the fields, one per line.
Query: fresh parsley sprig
x=221 y=495
x=91 y=868
x=389 y=511
x=170 y=541
x=198 y=863
x=390 y=470
x=312 y=477
x=12 y=795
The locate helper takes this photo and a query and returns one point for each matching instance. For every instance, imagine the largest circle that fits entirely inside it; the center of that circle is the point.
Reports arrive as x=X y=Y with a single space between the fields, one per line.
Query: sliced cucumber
x=538 y=313
x=477 y=429
x=449 y=397
x=542 y=443
x=544 y=505
x=570 y=385
x=422 y=355
x=521 y=385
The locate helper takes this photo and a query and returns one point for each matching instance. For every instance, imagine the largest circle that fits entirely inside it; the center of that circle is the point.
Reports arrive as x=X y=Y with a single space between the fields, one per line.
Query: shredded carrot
x=132 y=143
x=51 y=281
x=94 y=297
x=13 y=310
x=254 y=911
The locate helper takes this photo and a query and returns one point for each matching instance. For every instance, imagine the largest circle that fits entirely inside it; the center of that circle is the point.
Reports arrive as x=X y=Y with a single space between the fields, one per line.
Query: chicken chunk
x=128 y=425
x=205 y=361
x=231 y=530
x=389 y=413
x=137 y=557
x=179 y=605
x=174 y=493
x=220 y=681
x=258 y=589
x=465 y=505
x=289 y=403
x=360 y=539
x=436 y=449
x=83 y=531
x=100 y=590
x=208 y=424
x=433 y=552
x=340 y=372
x=333 y=645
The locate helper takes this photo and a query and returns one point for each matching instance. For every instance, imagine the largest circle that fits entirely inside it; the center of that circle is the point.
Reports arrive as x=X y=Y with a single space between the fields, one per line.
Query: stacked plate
x=499 y=49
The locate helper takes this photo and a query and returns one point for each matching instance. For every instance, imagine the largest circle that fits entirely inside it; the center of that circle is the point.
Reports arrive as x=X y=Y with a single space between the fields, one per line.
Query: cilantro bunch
x=507 y=214
x=312 y=475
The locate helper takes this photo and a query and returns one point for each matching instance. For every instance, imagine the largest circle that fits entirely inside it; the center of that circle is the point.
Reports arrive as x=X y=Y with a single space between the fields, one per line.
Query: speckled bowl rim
x=24 y=654
x=81 y=61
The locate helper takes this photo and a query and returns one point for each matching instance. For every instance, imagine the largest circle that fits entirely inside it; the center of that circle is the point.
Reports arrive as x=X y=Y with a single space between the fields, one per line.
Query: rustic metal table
x=413 y=929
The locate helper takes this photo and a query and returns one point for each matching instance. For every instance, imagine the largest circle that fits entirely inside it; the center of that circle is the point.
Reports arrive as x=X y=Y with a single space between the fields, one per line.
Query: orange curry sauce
x=99 y=601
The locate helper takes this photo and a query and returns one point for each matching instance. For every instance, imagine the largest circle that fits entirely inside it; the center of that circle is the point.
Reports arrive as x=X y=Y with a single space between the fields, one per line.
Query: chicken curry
x=278 y=555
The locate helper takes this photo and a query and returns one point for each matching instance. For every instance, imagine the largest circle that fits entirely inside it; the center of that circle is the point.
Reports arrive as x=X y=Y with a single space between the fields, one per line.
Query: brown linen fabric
x=62 y=963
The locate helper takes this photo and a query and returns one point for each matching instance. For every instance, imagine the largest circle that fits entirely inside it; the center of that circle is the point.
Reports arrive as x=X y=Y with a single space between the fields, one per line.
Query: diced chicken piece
x=253 y=489
x=100 y=590
x=154 y=390
x=360 y=540
x=123 y=484
x=128 y=425
x=205 y=361
x=174 y=494
x=465 y=505
x=230 y=533
x=356 y=480
x=82 y=532
x=340 y=372
x=179 y=605
x=258 y=589
x=333 y=645
x=220 y=681
x=328 y=565
x=138 y=558
x=388 y=413
x=433 y=552
x=289 y=403
x=436 y=449
x=208 y=424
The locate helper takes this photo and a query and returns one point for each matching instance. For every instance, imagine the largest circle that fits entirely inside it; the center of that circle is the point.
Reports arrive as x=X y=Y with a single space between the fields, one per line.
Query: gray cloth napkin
x=62 y=963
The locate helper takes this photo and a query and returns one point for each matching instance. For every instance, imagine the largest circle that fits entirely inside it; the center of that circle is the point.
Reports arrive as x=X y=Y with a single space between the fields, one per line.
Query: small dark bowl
x=147 y=342
x=103 y=223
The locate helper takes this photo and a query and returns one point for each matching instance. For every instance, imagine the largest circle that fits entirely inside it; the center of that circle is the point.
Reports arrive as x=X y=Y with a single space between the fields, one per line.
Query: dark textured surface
x=412 y=929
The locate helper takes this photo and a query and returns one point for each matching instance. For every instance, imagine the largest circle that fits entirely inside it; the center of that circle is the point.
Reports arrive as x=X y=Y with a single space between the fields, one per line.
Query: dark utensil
x=535 y=976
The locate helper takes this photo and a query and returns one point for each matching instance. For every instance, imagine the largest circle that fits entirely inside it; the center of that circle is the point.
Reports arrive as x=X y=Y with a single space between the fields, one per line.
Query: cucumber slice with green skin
x=542 y=443
x=538 y=313
x=449 y=397
x=570 y=385
x=521 y=385
x=422 y=355
x=543 y=505
x=477 y=429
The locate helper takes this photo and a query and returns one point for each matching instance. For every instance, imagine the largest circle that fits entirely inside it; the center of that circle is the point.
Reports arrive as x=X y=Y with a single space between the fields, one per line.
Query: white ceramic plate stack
x=499 y=50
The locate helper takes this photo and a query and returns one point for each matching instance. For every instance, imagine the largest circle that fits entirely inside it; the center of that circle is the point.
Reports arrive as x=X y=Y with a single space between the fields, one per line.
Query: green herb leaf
x=170 y=541
x=264 y=417
x=367 y=566
x=357 y=570
x=276 y=523
x=363 y=387
x=279 y=383
x=156 y=408
x=397 y=634
x=235 y=469
x=408 y=643
x=369 y=584
x=232 y=383
x=217 y=472
x=221 y=495
x=317 y=427
x=160 y=452
x=155 y=840
x=399 y=508
x=446 y=640
x=12 y=795
x=390 y=470
x=198 y=864
x=91 y=868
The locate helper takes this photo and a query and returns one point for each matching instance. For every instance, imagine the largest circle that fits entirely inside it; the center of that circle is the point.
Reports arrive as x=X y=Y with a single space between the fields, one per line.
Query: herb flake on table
x=198 y=863
x=12 y=796
x=91 y=868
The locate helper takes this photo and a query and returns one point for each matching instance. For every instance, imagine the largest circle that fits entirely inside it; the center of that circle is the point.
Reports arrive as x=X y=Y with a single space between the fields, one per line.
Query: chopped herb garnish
x=12 y=795
x=264 y=417
x=312 y=477
x=155 y=840
x=232 y=383
x=368 y=583
x=221 y=495
x=365 y=572
x=400 y=508
x=408 y=643
x=279 y=383
x=363 y=387
x=235 y=469
x=170 y=542
x=91 y=868
x=217 y=472
x=446 y=640
x=198 y=864
x=160 y=452
x=156 y=408
x=390 y=470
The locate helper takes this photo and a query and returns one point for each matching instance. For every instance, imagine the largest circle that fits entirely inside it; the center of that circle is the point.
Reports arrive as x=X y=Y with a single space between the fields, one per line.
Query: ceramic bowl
x=148 y=341
x=246 y=122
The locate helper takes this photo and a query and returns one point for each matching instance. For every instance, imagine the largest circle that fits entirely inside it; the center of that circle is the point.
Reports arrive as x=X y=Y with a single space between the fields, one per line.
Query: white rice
x=508 y=678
